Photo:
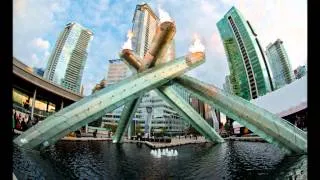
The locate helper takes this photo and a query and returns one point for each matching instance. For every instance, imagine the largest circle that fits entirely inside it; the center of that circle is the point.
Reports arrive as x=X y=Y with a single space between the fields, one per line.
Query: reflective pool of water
x=104 y=160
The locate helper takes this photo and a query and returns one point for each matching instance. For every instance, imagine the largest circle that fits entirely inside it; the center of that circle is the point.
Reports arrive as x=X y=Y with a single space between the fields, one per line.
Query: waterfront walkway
x=174 y=142
x=200 y=139
x=251 y=139
x=86 y=139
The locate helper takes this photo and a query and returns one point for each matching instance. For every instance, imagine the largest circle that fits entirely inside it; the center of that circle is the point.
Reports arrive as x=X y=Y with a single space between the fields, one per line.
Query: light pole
x=147 y=126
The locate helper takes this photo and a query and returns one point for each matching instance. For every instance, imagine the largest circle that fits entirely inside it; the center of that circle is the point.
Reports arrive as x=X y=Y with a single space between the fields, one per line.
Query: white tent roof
x=286 y=100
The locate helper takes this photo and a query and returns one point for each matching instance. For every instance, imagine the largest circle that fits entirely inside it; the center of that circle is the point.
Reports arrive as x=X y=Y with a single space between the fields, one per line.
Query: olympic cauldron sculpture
x=154 y=74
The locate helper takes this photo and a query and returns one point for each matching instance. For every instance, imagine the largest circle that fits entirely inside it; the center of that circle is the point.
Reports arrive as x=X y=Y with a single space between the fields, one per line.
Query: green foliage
x=96 y=123
x=139 y=128
x=162 y=131
x=192 y=130
x=111 y=127
x=227 y=127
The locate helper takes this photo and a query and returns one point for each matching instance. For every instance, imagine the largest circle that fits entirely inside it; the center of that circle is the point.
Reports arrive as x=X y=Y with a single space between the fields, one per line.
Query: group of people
x=22 y=121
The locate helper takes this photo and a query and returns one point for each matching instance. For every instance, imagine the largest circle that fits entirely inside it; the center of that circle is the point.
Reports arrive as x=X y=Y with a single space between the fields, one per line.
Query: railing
x=36 y=112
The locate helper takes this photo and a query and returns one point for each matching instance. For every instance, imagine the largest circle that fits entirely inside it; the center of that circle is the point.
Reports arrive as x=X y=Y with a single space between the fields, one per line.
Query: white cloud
x=271 y=19
x=33 y=19
x=41 y=43
x=207 y=8
x=34 y=60
x=46 y=54
x=19 y=7
x=34 y=57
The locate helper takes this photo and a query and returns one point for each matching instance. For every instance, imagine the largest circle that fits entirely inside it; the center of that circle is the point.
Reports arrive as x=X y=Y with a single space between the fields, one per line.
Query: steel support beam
x=134 y=62
x=62 y=104
x=33 y=103
x=96 y=105
x=127 y=114
x=263 y=123
x=131 y=129
x=169 y=94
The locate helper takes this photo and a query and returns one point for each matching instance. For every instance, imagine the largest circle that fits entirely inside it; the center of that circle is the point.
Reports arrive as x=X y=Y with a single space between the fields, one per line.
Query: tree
x=227 y=127
x=162 y=131
x=111 y=127
x=139 y=128
x=152 y=131
x=96 y=123
x=192 y=130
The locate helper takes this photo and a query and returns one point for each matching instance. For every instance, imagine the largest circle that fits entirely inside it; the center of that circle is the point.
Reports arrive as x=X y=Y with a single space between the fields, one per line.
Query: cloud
x=41 y=43
x=216 y=45
x=106 y=46
x=34 y=58
x=46 y=54
x=37 y=24
x=35 y=61
x=19 y=7
x=207 y=8
x=34 y=24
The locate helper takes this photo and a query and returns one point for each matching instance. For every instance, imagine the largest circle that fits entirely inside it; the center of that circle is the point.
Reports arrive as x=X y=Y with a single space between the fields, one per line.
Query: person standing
x=18 y=124
x=14 y=119
x=95 y=133
x=23 y=125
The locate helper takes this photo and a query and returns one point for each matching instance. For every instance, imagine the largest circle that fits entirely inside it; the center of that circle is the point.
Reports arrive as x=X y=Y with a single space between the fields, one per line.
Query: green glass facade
x=249 y=74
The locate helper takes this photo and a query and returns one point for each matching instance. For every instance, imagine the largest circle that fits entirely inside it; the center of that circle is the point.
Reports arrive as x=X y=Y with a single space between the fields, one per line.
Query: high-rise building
x=145 y=23
x=227 y=85
x=68 y=58
x=82 y=90
x=280 y=66
x=211 y=115
x=249 y=71
x=144 y=26
x=197 y=105
x=300 y=71
x=117 y=71
x=38 y=71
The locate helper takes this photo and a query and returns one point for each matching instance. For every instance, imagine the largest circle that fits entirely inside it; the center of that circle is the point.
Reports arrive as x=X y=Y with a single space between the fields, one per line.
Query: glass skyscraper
x=117 y=71
x=227 y=85
x=144 y=25
x=300 y=71
x=280 y=66
x=67 y=60
x=249 y=73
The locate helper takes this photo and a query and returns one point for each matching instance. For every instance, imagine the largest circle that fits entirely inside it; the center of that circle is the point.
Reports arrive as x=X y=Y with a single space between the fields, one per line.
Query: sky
x=37 y=24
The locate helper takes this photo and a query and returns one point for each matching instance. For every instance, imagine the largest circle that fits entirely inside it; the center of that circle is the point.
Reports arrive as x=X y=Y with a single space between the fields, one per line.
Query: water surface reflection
x=104 y=160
